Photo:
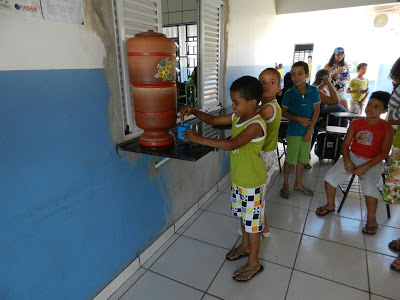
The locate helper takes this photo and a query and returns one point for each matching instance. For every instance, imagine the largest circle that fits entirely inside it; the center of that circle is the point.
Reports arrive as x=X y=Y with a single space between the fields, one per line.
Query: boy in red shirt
x=367 y=142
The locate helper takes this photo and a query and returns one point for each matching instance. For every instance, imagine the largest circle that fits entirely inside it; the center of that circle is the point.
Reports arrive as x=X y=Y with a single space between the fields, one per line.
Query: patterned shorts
x=249 y=205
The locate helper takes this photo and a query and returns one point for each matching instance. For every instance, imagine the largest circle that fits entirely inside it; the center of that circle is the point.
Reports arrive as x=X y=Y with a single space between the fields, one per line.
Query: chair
x=345 y=193
x=336 y=132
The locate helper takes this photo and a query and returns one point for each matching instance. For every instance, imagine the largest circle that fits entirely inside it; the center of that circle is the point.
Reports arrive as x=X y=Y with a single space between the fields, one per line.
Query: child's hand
x=360 y=170
x=186 y=111
x=307 y=136
x=304 y=121
x=191 y=135
x=325 y=79
x=350 y=169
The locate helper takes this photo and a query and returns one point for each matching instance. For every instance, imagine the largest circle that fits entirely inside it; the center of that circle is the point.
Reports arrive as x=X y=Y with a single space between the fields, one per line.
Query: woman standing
x=337 y=67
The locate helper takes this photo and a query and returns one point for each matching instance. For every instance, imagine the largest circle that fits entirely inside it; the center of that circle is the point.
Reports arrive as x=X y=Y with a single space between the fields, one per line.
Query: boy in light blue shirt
x=301 y=106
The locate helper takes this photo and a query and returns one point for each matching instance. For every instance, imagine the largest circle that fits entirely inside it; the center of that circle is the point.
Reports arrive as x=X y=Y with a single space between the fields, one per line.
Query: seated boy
x=248 y=173
x=366 y=144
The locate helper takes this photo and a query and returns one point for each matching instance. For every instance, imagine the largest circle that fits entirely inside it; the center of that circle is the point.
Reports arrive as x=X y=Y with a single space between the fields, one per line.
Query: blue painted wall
x=72 y=213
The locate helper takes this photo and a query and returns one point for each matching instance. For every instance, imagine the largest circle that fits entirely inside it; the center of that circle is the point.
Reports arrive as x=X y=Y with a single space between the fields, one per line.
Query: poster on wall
x=64 y=11
x=29 y=8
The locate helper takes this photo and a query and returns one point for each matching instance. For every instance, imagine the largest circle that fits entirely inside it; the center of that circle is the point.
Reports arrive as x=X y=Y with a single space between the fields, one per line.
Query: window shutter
x=131 y=17
x=211 y=41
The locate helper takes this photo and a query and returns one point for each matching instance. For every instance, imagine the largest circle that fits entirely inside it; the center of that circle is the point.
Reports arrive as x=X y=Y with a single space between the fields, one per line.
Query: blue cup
x=182 y=128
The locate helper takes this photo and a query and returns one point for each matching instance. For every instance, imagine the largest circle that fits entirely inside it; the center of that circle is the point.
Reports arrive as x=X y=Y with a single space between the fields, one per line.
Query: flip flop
x=395 y=248
x=255 y=272
x=396 y=261
x=327 y=211
x=368 y=228
x=263 y=235
x=284 y=194
x=239 y=255
x=305 y=191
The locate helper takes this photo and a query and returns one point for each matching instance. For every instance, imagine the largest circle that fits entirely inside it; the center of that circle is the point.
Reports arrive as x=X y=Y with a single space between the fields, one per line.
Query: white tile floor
x=307 y=257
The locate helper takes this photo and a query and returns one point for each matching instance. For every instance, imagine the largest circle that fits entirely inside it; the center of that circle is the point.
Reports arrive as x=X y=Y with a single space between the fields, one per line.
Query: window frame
x=130 y=129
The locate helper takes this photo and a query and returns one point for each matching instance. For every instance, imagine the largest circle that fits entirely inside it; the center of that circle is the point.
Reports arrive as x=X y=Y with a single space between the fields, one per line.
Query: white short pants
x=369 y=181
x=270 y=160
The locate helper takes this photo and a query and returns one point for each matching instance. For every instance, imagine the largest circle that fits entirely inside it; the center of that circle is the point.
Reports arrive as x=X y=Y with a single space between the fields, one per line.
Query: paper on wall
x=64 y=11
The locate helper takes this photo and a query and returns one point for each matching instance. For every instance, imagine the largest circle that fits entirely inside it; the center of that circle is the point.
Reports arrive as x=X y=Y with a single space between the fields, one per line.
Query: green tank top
x=247 y=168
x=273 y=124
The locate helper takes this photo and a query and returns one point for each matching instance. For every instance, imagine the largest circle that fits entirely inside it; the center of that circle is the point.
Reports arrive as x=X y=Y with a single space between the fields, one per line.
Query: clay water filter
x=151 y=60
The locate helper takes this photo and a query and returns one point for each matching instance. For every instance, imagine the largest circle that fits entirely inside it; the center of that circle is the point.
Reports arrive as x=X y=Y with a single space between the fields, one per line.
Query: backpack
x=332 y=142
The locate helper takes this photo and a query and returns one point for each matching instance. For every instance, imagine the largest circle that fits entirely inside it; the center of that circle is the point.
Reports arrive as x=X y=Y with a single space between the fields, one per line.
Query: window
x=301 y=52
x=211 y=42
x=185 y=36
x=135 y=16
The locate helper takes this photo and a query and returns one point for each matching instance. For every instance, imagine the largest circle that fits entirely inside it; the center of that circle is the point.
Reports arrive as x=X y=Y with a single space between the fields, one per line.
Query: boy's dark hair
x=273 y=70
x=248 y=87
x=381 y=96
x=395 y=71
x=332 y=60
x=361 y=65
x=301 y=64
x=287 y=81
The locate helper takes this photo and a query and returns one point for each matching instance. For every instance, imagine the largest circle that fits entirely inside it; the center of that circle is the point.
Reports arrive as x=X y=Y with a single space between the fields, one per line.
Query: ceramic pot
x=151 y=60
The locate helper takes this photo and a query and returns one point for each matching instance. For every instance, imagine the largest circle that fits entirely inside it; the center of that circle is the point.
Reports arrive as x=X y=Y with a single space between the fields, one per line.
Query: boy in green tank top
x=248 y=173
x=271 y=113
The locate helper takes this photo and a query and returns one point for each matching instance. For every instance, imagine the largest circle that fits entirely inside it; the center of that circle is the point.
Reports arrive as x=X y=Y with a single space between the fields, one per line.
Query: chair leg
x=388 y=211
x=345 y=193
x=279 y=160
x=387 y=205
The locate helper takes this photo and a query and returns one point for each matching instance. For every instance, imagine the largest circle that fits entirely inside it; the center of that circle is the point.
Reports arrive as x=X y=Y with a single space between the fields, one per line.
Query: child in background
x=366 y=144
x=248 y=173
x=309 y=60
x=301 y=106
x=358 y=89
x=281 y=71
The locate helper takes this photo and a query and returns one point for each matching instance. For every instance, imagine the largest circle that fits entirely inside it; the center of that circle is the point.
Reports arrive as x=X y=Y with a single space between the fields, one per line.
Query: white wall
x=42 y=44
x=249 y=23
x=259 y=37
x=290 y=6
